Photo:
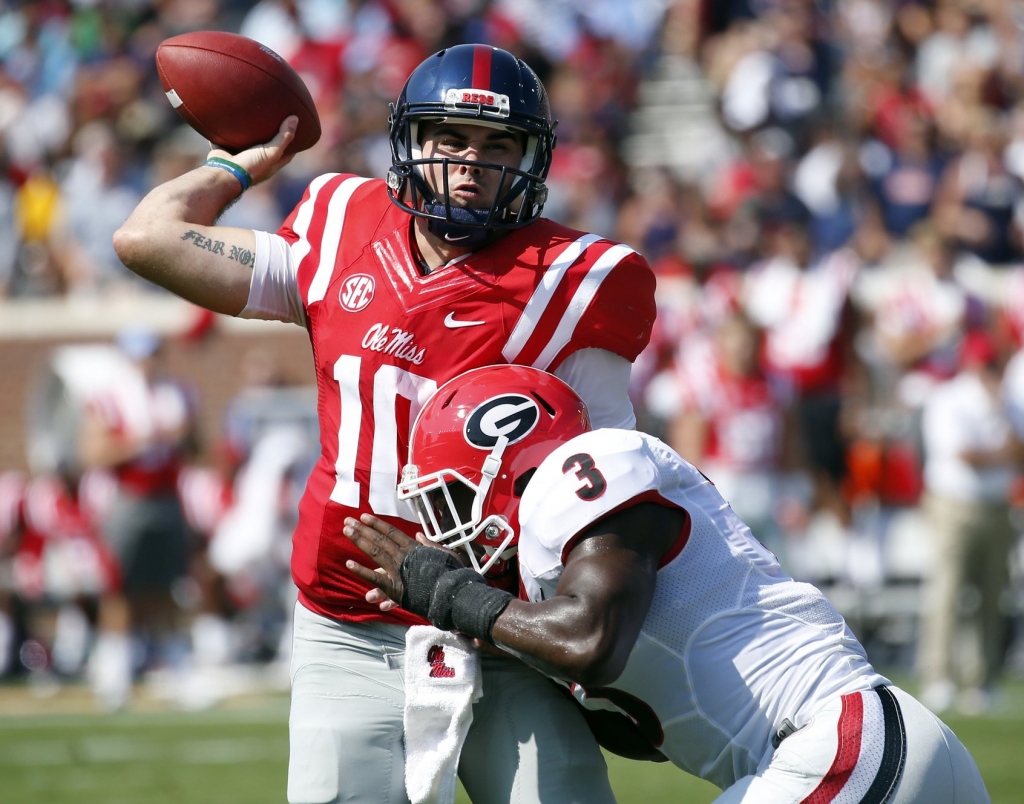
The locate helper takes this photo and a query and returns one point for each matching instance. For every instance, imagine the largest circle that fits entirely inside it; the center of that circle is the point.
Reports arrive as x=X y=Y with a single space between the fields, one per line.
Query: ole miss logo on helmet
x=356 y=292
x=469 y=96
x=511 y=415
x=497 y=103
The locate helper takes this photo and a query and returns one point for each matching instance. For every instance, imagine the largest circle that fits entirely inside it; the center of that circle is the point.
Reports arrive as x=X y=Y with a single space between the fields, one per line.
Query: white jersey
x=731 y=646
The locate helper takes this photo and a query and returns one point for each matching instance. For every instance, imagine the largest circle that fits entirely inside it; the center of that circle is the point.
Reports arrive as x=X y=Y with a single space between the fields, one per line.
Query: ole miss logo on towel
x=438 y=669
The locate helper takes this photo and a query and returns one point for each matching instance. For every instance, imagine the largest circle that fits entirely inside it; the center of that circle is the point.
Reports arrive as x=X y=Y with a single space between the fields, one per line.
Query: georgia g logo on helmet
x=511 y=415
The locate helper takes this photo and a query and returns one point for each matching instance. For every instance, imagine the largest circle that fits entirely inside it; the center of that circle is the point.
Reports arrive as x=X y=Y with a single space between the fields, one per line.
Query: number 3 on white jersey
x=389 y=383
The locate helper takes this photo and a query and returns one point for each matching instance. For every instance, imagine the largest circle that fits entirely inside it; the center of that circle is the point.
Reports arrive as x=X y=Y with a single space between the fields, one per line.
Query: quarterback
x=645 y=595
x=403 y=284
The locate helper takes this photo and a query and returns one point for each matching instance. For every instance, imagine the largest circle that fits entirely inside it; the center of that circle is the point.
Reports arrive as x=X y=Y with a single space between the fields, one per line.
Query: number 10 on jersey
x=389 y=383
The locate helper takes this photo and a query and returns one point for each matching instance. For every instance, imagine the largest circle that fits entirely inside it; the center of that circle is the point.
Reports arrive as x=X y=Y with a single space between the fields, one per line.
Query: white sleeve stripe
x=541 y=297
x=274 y=289
x=302 y=246
x=332 y=237
x=601 y=378
x=580 y=301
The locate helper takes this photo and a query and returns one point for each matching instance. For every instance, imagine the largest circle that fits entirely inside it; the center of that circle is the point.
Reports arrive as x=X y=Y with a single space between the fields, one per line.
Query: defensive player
x=403 y=285
x=645 y=593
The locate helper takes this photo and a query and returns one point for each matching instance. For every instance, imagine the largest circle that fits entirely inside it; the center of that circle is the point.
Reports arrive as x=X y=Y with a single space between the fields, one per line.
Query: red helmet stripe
x=482 y=67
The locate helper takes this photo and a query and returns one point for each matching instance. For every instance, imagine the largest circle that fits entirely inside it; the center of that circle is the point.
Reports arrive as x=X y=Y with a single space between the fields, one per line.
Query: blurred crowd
x=831 y=193
x=130 y=551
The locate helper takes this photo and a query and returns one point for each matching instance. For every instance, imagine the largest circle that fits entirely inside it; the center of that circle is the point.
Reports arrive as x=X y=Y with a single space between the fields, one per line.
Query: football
x=235 y=91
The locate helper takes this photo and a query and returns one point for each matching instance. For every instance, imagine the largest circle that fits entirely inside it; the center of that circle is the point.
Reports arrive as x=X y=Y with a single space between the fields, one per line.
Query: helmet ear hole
x=543 y=403
x=448 y=401
x=520 y=485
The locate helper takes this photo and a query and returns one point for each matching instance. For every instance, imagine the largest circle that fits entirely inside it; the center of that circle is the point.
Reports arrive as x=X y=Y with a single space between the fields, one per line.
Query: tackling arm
x=584 y=633
x=587 y=631
x=170 y=238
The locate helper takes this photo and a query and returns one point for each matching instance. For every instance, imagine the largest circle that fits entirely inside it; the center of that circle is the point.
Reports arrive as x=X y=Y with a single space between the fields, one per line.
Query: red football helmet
x=472 y=451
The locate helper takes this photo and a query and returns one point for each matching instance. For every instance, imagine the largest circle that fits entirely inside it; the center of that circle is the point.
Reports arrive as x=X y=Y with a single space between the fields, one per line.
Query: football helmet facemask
x=484 y=86
x=474 y=447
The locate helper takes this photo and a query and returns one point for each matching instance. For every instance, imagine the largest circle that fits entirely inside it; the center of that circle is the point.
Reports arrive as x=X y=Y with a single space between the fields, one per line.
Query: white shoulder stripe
x=332 y=237
x=580 y=301
x=541 y=297
x=301 y=247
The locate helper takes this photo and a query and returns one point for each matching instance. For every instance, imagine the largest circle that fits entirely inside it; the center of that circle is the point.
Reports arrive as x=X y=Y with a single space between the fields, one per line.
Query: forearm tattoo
x=241 y=255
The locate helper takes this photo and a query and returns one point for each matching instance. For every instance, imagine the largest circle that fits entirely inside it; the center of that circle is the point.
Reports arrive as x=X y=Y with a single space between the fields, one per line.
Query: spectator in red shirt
x=733 y=424
x=804 y=306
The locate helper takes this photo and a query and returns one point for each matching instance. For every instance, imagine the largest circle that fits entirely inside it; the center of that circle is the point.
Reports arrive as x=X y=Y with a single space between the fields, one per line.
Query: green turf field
x=238 y=753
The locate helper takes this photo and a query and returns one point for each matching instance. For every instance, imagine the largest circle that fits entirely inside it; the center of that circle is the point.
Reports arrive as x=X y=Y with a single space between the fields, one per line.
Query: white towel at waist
x=442 y=680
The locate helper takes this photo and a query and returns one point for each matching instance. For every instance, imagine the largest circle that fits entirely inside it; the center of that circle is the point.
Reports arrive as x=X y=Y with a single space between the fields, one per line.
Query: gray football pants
x=527 y=745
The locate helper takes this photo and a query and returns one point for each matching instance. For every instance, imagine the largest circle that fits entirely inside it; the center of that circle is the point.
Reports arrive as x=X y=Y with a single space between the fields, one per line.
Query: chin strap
x=464 y=230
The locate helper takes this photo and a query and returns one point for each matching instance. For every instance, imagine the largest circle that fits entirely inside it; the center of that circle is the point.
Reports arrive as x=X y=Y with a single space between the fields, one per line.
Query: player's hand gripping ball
x=235 y=91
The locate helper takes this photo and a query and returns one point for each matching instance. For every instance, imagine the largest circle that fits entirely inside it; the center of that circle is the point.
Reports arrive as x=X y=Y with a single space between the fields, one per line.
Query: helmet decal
x=497 y=103
x=482 y=66
x=511 y=415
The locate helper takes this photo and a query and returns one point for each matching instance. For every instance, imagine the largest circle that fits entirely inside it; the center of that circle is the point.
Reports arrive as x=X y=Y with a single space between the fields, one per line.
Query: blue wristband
x=237 y=171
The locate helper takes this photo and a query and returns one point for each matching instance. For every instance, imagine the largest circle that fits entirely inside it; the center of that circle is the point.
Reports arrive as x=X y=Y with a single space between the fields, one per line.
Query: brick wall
x=213 y=366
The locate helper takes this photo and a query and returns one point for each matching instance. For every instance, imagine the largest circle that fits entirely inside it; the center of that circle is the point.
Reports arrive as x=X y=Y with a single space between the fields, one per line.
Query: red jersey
x=206 y=496
x=60 y=552
x=385 y=337
x=160 y=406
x=803 y=312
x=744 y=416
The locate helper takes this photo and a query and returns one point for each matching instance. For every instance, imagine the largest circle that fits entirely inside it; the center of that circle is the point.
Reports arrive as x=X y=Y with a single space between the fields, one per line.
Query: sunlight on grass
x=240 y=755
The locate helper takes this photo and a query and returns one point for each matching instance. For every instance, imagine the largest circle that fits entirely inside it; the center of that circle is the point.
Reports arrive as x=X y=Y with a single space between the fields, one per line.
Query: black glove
x=452 y=597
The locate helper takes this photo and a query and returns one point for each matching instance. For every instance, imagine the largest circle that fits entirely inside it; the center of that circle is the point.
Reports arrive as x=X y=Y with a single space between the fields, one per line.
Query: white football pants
x=876 y=747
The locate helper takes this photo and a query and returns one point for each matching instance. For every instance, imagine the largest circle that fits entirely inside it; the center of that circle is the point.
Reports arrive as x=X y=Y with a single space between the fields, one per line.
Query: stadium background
x=884 y=140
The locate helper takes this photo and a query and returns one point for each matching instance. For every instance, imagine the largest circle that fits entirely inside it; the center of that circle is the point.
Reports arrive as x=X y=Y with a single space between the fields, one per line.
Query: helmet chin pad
x=466 y=227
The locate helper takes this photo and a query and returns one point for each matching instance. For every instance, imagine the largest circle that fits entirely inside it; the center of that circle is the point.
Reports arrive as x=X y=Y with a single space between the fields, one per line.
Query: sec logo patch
x=356 y=292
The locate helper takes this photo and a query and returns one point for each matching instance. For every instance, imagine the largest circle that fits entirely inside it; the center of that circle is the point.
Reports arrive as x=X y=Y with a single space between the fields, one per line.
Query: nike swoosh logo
x=451 y=323
x=451 y=239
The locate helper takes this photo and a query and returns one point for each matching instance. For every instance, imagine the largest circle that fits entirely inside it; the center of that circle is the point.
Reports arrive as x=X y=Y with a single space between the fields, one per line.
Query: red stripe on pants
x=481 y=67
x=851 y=721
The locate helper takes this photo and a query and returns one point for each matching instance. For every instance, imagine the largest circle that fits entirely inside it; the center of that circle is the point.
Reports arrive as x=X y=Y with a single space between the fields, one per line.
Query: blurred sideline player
x=142 y=438
x=732 y=422
x=53 y=561
x=645 y=594
x=243 y=506
x=402 y=285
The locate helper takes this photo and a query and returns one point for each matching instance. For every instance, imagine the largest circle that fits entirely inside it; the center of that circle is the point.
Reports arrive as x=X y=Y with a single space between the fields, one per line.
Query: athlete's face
x=470 y=185
x=462 y=497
